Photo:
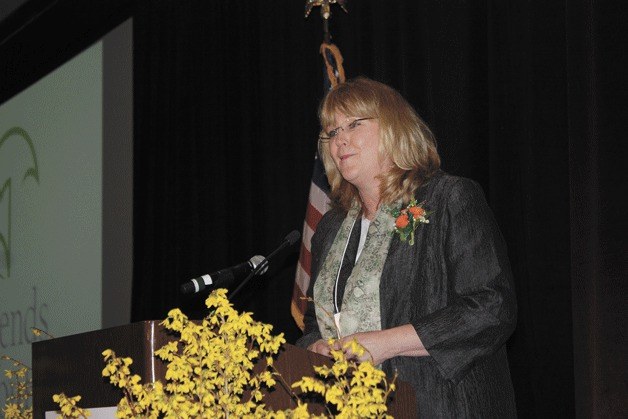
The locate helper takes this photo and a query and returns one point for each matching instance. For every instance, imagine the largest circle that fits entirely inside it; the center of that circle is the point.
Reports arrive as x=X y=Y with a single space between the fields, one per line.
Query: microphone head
x=293 y=237
x=256 y=260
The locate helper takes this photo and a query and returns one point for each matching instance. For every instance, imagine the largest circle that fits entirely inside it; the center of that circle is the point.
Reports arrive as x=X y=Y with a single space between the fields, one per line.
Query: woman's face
x=355 y=150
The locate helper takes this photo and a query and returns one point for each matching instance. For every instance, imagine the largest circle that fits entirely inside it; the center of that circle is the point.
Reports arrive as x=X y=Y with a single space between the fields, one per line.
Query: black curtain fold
x=597 y=110
x=227 y=131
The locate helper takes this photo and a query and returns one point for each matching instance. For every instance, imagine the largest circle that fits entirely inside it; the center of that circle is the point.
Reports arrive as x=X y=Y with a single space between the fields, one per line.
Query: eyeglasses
x=348 y=127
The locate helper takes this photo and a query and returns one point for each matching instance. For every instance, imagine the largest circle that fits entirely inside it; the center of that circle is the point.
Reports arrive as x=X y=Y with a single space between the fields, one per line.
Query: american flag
x=318 y=200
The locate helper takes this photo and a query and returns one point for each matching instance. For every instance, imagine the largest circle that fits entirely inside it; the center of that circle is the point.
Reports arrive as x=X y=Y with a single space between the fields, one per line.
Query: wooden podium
x=73 y=365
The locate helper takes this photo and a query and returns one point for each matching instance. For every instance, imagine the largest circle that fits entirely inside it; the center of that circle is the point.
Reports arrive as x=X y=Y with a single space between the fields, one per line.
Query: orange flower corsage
x=408 y=219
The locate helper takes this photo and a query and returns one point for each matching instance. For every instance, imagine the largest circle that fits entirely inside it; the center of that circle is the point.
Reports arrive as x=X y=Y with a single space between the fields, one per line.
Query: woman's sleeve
x=481 y=310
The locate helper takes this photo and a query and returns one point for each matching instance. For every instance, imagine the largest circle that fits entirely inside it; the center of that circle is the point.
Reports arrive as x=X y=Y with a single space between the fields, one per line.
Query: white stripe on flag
x=307 y=236
x=319 y=199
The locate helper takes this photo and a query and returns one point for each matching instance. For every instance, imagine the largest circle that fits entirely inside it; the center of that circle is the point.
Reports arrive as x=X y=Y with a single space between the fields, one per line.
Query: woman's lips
x=344 y=157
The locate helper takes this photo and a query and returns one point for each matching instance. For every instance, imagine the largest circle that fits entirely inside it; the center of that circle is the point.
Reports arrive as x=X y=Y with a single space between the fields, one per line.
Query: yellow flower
x=209 y=373
x=68 y=406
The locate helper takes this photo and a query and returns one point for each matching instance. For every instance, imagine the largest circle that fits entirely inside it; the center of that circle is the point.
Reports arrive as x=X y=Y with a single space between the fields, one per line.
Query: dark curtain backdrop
x=528 y=98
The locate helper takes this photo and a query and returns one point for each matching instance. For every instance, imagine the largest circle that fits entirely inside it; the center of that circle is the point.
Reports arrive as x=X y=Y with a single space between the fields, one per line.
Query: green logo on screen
x=19 y=145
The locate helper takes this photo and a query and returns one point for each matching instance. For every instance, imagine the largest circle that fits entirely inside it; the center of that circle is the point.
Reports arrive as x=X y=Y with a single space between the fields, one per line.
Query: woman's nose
x=341 y=137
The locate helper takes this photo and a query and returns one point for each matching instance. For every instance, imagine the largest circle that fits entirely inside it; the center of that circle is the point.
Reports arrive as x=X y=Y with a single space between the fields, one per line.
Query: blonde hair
x=404 y=138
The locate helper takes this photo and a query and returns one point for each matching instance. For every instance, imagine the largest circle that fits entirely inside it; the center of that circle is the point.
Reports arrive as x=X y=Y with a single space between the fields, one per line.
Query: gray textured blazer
x=455 y=287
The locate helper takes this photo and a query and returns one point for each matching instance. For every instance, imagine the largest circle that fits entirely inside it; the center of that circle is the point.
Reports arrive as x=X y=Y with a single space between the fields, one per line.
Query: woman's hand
x=376 y=349
x=381 y=345
x=320 y=347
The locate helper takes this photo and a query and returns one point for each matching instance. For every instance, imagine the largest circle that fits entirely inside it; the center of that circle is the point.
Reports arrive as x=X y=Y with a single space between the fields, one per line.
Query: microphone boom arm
x=290 y=239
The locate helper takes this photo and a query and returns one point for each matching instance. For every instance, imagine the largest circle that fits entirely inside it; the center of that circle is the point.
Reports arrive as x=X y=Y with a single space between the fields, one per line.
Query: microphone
x=289 y=240
x=224 y=277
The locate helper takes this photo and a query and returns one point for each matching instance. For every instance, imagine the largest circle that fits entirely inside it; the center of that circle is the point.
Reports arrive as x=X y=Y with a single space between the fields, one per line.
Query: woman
x=425 y=288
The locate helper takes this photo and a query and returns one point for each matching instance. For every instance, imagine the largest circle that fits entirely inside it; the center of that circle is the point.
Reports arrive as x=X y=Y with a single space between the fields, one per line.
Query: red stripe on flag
x=312 y=217
x=305 y=260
